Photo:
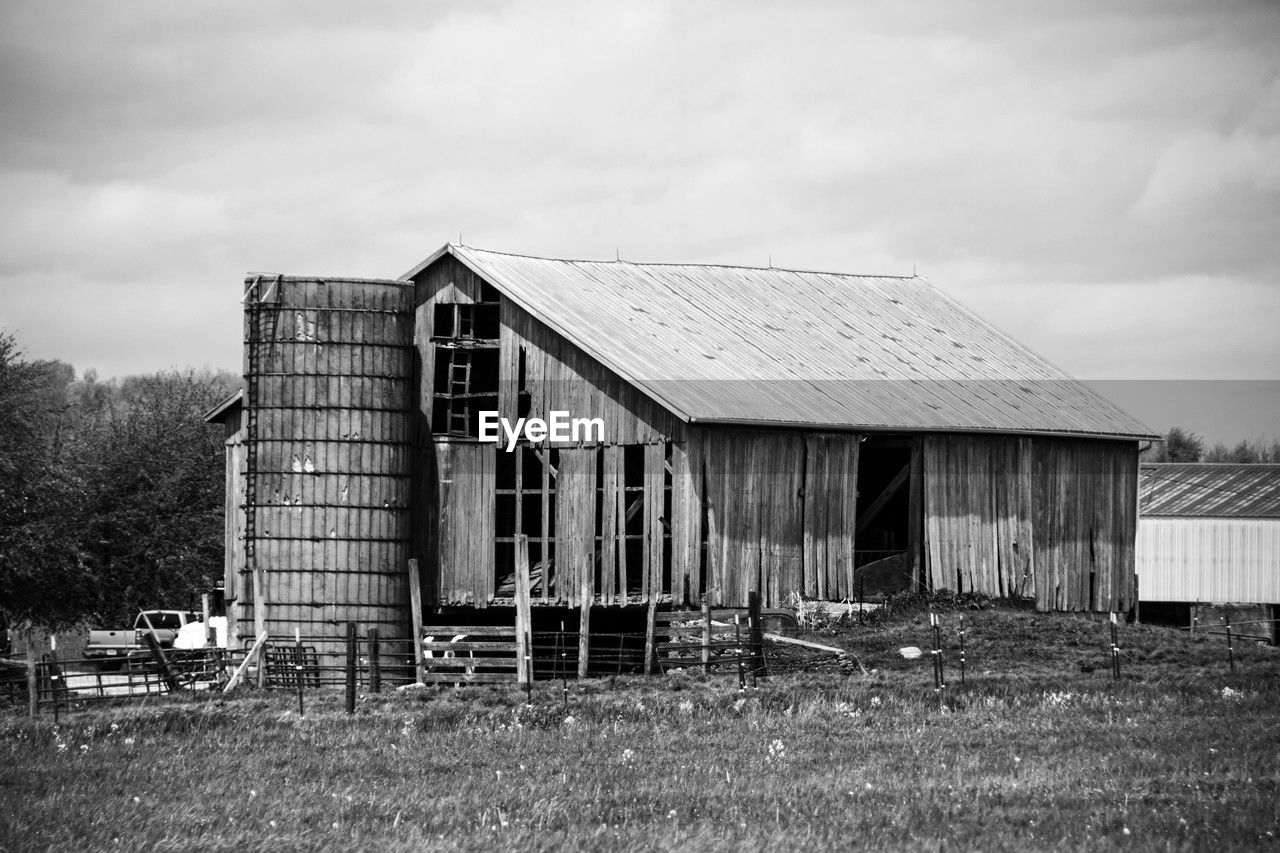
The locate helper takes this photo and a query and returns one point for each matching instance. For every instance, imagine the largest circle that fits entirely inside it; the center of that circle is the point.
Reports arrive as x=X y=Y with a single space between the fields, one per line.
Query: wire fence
x=460 y=655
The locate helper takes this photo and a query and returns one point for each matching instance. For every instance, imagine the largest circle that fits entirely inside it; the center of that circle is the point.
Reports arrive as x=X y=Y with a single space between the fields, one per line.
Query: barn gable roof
x=1208 y=489
x=778 y=347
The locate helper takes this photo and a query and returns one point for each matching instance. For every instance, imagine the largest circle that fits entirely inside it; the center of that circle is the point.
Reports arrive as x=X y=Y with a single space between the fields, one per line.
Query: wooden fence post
x=351 y=667
x=648 y=634
x=706 y=636
x=210 y=635
x=756 y=633
x=157 y=654
x=259 y=614
x=33 y=680
x=375 y=664
x=254 y=651
x=584 y=625
x=415 y=612
x=1231 y=649
x=298 y=665
x=524 y=627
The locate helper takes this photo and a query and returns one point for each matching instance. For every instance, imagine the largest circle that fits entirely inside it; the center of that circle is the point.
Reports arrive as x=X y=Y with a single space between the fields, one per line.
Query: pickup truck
x=106 y=644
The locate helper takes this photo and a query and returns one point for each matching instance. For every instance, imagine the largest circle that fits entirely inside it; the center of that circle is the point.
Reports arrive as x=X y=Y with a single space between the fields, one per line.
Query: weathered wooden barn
x=1209 y=543
x=761 y=430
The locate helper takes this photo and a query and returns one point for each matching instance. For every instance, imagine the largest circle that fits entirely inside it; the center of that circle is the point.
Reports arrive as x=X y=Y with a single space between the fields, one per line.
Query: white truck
x=108 y=644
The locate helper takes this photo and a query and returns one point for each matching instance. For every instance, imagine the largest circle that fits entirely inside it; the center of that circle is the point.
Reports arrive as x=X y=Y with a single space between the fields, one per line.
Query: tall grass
x=1032 y=752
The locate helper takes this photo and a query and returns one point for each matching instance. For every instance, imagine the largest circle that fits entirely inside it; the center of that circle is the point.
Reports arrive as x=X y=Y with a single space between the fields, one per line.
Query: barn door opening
x=886 y=529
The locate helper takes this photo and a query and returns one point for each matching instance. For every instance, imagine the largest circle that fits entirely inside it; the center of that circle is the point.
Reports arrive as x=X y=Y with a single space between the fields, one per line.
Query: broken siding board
x=686 y=522
x=566 y=589
x=791 y=579
x=619 y=463
x=609 y=521
x=1025 y=543
x=814 y=526
x=575 y=522
x=773 y=532
x=848 y=517
x=655 y=510
x=712 y=499
x=1103 y=524
x=466 y=527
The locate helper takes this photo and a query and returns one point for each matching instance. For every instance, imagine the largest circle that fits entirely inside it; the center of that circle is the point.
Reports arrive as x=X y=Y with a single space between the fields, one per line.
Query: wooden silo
x=327 y=443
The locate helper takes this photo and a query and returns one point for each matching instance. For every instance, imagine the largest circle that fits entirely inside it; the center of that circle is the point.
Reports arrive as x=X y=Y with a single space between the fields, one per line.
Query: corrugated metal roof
x=789 y=347
x=1210 y=489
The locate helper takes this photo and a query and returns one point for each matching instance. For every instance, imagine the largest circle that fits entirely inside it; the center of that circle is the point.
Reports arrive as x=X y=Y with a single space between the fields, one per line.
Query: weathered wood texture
x=780 y=510
x=329 y=390
x=575 y=525
x=755 y=514
x=236 y=581
x=465 y=499
x=557 y=374
x=561 y=377
x=1049 y=519
x=830 y=512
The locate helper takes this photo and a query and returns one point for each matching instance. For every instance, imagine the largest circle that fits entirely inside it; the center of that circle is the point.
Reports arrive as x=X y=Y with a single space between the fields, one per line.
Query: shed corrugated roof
x=1208 y=489
x=727 y=344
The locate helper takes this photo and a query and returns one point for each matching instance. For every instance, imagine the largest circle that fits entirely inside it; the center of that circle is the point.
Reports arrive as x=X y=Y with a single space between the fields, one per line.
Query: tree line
x=1181 y=445
x=111 y=492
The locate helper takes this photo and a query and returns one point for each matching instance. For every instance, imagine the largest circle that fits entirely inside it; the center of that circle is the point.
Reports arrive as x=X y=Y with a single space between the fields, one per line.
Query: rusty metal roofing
x=782 y=347
x=1210 y=489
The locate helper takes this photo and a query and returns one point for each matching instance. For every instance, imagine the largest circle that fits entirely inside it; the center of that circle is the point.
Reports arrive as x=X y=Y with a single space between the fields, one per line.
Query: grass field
x=1038 y=749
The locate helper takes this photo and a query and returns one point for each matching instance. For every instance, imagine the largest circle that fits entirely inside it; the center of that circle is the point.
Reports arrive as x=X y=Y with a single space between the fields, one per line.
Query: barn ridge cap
x=448 y=248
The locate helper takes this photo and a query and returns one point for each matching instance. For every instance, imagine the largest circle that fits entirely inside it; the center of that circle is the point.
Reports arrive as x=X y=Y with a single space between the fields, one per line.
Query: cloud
x=1042 y=160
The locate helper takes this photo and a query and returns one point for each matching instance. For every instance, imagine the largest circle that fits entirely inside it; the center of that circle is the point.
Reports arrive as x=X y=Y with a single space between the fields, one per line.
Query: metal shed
x=1209 y=532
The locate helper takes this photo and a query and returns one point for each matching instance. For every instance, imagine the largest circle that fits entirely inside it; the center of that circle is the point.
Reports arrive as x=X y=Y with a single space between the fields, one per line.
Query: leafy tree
x=1183 y=445
x=1246 y=451
x=110 y=492
x=40 y=493
x=1179 y=445
x=154 y=518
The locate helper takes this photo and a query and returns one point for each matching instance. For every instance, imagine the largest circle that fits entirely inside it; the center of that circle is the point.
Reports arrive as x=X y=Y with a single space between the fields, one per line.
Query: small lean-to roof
x=1210 y=489
x=218 y=413
x=777 y=347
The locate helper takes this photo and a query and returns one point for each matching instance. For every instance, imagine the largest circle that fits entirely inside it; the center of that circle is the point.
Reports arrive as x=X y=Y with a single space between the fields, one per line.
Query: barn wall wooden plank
x=465 y=500
x=654 y=513
x=609 y=522
x=686 y=521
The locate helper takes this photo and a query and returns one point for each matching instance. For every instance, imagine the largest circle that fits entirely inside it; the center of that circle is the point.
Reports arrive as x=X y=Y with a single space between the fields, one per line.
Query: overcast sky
x=1102 y=180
